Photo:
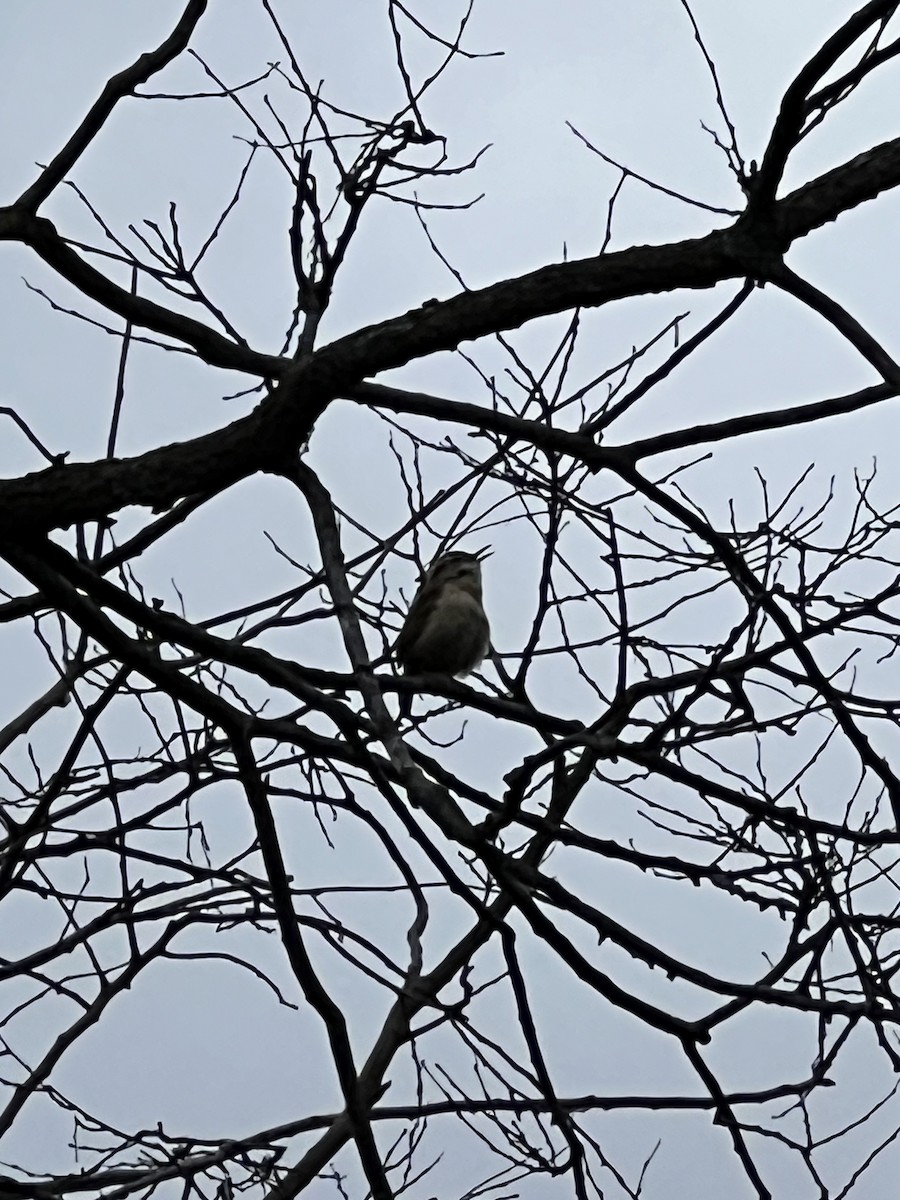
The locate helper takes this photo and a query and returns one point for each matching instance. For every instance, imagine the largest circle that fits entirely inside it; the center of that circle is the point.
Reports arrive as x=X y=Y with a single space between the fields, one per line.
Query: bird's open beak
x=483 y=553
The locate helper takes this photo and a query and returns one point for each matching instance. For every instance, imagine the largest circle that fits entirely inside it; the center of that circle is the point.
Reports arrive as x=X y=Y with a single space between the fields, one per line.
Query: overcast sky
x=631 y=79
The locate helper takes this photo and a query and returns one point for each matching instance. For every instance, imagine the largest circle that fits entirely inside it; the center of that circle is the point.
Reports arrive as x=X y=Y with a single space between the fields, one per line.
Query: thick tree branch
x=17 y=224
x=788 y=126
x=118 y=86
x=61 y=496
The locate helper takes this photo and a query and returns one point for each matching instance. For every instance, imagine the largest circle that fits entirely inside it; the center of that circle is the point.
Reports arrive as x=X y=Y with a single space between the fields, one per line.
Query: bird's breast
x=455 y=638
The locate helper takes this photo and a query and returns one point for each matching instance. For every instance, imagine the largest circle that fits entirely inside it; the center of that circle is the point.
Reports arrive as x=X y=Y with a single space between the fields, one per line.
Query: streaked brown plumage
x=446 y=631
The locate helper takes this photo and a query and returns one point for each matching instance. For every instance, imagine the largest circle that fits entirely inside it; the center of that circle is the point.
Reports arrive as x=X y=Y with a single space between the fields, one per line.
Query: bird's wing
x=417 y=618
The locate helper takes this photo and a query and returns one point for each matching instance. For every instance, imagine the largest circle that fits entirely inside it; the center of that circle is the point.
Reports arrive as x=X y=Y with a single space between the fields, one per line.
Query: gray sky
x=205 y=1048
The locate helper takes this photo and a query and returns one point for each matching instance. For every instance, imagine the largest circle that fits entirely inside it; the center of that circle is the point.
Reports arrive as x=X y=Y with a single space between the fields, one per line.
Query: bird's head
x=458 y=568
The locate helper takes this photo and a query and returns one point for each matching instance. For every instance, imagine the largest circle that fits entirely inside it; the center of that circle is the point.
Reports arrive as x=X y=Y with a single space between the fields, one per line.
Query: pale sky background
x=205 y=1049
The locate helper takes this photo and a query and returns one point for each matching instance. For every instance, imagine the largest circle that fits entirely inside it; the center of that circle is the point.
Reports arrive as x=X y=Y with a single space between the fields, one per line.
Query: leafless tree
x=681 y=756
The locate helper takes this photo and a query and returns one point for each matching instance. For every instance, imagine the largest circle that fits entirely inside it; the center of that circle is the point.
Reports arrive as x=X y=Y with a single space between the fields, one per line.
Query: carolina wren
x=446 y=631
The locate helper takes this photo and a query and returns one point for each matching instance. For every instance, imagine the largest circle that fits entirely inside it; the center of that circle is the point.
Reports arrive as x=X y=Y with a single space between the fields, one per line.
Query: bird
x=446 y=631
